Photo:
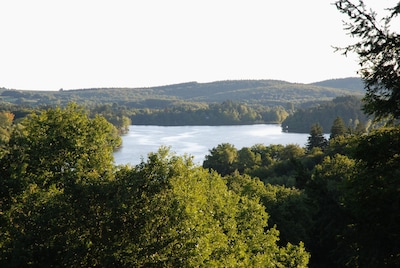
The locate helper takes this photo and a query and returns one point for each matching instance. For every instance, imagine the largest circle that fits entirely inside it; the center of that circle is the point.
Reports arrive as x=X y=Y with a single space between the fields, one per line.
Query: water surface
x=198 y=140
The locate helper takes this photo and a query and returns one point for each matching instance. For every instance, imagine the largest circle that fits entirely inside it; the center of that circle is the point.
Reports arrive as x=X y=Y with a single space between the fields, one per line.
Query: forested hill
x=257 y=92
x=350 y=83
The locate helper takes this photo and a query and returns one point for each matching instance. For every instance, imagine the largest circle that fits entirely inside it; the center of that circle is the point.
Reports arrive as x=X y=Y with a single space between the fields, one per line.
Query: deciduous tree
x=373 y=199
x=185 y=216
x=221 y=159
x=51 y=198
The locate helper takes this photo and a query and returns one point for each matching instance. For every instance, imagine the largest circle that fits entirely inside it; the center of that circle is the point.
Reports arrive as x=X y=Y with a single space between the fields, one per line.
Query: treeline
x=225 y=113
x=116 y=115
x=349 y=108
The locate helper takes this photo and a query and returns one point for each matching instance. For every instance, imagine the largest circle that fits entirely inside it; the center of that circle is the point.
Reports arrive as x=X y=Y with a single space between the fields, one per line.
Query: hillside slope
x=349 y=83
x=252 y=92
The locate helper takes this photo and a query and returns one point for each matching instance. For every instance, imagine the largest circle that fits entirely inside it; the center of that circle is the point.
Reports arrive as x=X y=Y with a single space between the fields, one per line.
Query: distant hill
x=251 y=92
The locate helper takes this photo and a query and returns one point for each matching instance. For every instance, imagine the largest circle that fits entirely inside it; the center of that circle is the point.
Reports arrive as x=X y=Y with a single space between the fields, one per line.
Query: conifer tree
x=379 y=56
x=338 y=128
x=316 y=138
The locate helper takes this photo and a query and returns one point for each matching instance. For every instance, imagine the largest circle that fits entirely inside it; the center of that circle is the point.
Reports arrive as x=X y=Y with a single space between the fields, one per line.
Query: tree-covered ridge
x=349 y=109
x=253 y=92
x=351 y=83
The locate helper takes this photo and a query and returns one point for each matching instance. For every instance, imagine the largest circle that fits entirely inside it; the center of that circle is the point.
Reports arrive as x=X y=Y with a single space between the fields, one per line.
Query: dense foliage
x=64 y=203
x=340 y=198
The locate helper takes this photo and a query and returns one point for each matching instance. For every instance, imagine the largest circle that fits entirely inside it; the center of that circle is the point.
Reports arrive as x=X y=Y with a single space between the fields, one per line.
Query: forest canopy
x=64 y=203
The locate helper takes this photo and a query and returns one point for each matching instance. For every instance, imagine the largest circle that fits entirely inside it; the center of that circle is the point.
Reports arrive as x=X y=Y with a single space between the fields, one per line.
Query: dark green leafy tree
x=316 y=138
x=51 y=189
x=330 y=218
x=287 y=208
x=6 y=121
x=379 y=54
x=344 y=145
x=62 y=146
x=247 y=159
x=292 y=151
x=373 y=197
x=221 y=158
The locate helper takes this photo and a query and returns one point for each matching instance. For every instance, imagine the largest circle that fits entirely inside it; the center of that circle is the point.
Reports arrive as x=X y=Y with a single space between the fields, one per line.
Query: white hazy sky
x=50 y=44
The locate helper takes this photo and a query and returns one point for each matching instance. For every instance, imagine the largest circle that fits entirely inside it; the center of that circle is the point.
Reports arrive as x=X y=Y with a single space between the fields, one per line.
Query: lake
x=198 y=140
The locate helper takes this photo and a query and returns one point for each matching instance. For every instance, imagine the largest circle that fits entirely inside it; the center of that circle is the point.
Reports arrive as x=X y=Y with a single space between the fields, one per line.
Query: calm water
x=198 y=140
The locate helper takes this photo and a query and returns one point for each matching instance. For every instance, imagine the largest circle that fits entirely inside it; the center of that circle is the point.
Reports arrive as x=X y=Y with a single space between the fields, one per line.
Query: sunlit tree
x=52 y=188
x=181 y=215
x=221 y=158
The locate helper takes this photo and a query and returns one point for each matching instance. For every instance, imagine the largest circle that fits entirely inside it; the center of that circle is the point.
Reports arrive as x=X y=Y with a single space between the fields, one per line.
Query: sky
x=74 y=44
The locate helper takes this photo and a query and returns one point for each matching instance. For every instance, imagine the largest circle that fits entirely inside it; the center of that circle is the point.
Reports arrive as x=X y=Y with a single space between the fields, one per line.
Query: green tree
x=378 y=51
x=62 y=146
x=185 y=216
x=287 y=208
x=338 y=128
x=221 y=159
x=6 y=121
x=330 y=218
x=372 y=198
x=316 y=138
x=52 y=227
x=292 y=151
x=52 y=201
x=247 y=159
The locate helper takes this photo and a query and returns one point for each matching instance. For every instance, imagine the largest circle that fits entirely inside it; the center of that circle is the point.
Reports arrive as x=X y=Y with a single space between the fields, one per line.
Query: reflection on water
x=198 y=140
